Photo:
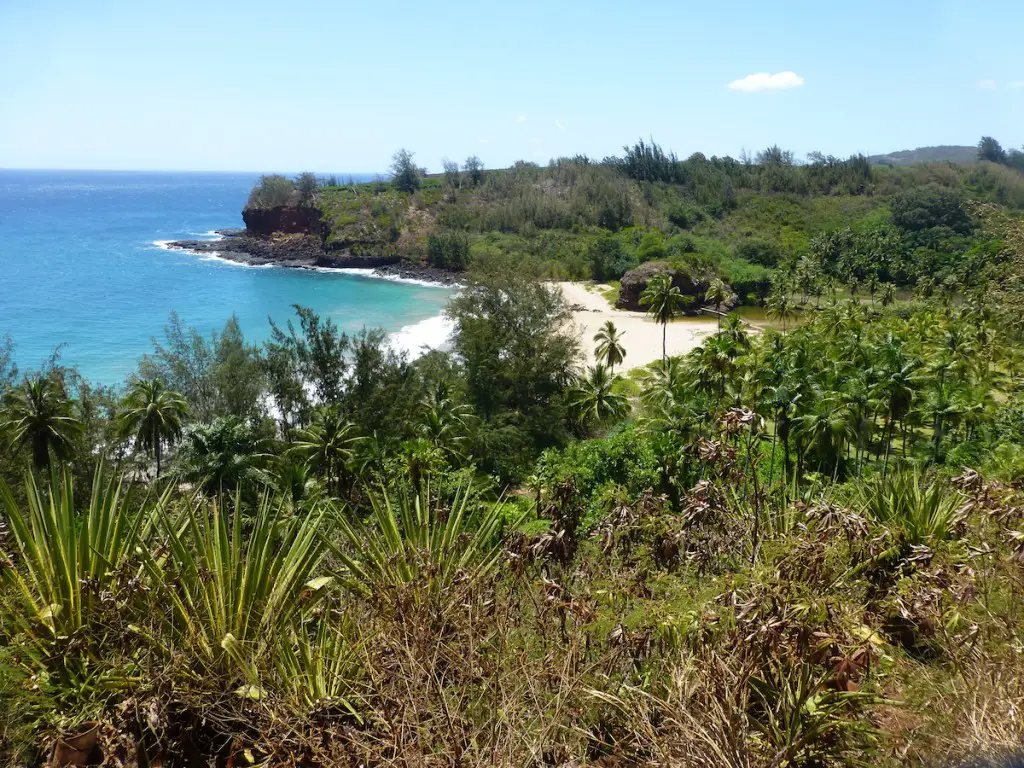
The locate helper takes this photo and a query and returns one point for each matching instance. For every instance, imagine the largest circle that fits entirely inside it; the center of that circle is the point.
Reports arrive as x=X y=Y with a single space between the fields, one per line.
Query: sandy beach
x=641 y=335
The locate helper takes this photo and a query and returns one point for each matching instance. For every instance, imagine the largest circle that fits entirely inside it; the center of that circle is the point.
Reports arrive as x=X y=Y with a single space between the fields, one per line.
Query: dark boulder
x=690 y=282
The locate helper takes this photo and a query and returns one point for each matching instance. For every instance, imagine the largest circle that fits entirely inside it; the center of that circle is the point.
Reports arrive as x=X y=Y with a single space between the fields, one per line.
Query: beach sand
x=641 y=336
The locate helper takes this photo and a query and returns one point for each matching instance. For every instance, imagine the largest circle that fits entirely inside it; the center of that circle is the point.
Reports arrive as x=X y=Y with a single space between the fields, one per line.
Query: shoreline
x=414 y=339
x=233 y=246
x=641 y=336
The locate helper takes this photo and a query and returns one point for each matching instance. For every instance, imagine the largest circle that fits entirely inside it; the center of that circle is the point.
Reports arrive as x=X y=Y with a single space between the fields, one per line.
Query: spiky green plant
x=409 y=536
x=234 y=588
x=317 y=666
x=65 y=564
x=925 y=512
x=805 y=722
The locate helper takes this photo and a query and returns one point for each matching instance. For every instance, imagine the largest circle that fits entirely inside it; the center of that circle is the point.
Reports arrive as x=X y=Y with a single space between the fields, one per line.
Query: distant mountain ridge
x=941 y=154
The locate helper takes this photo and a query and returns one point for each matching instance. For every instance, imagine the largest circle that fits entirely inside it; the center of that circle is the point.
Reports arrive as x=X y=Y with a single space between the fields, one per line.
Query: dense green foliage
x=581 y=218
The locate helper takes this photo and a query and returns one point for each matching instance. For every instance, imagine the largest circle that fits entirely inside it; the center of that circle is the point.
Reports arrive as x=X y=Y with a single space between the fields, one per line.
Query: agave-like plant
x=925 y=512
x=805 y=722
x=63 y=564
x=317 y=667
x=409 y=536
x=234 y=590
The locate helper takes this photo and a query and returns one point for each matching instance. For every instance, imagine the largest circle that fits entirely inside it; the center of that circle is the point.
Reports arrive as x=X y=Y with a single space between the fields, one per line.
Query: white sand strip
x=641 y=336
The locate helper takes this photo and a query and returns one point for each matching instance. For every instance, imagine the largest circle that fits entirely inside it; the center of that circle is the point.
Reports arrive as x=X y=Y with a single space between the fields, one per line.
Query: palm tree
x=873 y=286
x=152 y=415
x=717 y=293
x=327 y=445
x=665 y=383
x=894 y=377
x=823 y=430
x=713 y=365
x=736 y=333
x=595 y=399
x=444 y=424
x=853 y=285
x=664 y=301
x=888 y=294
x=38 y=414
x=609 y=346
x=780 y=307
x=221 y=455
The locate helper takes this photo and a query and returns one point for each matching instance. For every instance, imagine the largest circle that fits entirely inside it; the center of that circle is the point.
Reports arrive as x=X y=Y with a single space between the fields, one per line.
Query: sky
x=338 y=86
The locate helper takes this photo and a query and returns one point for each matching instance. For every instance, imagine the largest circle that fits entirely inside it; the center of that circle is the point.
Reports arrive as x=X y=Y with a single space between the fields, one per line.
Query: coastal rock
x=284 y=219
x=280 y=250
x=690 y=283
x=305 y=252
x=296 y=236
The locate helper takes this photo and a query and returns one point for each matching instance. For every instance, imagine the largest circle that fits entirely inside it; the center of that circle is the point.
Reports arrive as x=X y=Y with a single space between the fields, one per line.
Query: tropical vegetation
x=798 y=545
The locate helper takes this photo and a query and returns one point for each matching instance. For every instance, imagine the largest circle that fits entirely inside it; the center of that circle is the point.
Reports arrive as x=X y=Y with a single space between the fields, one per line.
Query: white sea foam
x=213 y=256
x=377 y=275
x=419 y=338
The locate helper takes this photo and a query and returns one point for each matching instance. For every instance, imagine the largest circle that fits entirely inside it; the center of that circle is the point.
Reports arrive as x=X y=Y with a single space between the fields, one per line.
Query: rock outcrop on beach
x=693 y=283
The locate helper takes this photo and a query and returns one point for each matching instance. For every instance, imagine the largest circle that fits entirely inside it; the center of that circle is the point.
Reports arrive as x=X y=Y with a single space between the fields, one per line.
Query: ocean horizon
x=85 y=271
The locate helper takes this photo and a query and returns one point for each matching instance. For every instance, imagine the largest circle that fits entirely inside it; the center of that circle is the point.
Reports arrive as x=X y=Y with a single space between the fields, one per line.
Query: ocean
x=83 y=271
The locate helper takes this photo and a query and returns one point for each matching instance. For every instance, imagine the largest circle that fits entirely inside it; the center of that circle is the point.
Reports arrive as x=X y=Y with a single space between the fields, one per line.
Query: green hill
x=941 y=154
x=578 y=218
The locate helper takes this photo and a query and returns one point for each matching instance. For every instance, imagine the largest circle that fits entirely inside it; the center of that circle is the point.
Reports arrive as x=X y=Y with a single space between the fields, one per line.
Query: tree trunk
x=887 y=433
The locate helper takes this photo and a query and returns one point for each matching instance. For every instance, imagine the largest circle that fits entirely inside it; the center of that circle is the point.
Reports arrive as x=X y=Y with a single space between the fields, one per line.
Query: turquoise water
x=79 y=269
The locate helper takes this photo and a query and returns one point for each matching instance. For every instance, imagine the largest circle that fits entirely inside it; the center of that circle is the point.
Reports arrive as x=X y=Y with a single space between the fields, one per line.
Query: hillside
x=581 y=219
x=959 y=154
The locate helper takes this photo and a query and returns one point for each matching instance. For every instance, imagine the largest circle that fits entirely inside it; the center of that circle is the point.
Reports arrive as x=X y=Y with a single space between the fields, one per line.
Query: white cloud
x=521 y=119
x=1017 y=84
x=763 y=81
x=987 y=85
x=559 y=125
x=535 y=140
x=485 y=141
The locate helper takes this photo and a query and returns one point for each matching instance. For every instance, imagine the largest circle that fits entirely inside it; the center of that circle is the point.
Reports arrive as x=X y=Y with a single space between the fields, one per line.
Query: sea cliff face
x=284 y=219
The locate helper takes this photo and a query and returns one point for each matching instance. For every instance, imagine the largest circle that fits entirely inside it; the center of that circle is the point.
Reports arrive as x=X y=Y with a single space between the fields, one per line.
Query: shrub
x=271 y=192
x=448 y=250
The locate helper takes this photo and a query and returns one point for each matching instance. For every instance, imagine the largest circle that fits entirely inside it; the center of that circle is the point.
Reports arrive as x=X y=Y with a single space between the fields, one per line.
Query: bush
x=759 y=252
x=272 y=191
x=608 y=259
x=448 y=250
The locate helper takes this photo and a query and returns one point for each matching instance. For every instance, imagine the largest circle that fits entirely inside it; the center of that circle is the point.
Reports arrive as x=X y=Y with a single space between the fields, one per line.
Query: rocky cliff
x=284 y=219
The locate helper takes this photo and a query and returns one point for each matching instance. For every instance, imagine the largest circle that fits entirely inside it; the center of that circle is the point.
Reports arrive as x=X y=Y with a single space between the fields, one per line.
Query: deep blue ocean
x=81 y=269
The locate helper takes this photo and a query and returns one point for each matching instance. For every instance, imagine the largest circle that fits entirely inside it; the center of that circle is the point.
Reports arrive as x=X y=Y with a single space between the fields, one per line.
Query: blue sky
x=338 y=86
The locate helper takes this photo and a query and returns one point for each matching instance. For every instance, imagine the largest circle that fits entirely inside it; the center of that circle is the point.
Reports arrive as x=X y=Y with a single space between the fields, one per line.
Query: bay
x=82 y=271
